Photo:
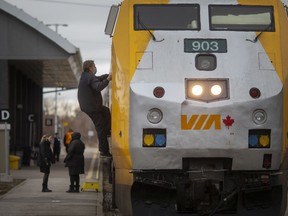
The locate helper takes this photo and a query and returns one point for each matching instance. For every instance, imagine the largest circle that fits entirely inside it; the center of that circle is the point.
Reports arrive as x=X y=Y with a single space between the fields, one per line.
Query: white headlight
x=216 y=90
x=259 y=117
x=154 y=115
x=197 y=90
x=207 y=90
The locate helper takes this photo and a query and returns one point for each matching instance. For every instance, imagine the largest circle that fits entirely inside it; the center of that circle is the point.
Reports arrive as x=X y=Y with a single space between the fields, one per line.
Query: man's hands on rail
x=109 y=78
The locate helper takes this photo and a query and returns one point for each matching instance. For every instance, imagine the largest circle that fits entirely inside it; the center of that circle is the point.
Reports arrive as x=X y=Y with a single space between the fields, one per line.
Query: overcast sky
x=86 y=20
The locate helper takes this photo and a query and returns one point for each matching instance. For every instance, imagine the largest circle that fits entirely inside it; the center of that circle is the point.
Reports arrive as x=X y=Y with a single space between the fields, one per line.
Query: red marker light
x=255 y=93
x=158 y=92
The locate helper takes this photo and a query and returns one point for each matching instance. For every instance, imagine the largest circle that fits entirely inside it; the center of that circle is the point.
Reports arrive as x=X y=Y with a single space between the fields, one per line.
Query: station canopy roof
x=39 y=52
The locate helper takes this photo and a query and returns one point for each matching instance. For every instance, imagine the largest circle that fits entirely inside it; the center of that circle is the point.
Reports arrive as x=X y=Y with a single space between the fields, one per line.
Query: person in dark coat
x=45 y=160
x=91 y=102
x=74 y=160
x=56 y=147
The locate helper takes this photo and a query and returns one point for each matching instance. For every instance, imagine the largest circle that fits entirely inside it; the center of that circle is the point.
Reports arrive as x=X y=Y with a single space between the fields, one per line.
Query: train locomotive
x=199 y=107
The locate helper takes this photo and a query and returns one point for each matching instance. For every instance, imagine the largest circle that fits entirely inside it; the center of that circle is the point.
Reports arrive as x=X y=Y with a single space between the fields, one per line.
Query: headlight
x=259 y=117
x=154 y=116
x=197 y=90
x=216 y=90
x=207 y=89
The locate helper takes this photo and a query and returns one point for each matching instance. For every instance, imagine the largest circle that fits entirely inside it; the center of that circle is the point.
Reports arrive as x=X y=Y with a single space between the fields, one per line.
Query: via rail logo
x=205 y=122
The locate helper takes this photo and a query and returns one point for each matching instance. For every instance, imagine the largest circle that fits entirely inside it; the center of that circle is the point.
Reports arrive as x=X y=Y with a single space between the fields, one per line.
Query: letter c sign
x=31 y=118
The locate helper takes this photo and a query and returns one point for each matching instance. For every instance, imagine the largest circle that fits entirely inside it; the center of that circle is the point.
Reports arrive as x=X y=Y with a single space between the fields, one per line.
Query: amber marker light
x=148 y=140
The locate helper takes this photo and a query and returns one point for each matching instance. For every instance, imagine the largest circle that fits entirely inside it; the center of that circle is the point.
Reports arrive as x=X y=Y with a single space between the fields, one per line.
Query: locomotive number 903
x=205 y=45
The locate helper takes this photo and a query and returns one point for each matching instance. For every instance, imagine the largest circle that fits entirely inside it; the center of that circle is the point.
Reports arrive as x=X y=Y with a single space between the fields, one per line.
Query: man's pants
x=102 y=122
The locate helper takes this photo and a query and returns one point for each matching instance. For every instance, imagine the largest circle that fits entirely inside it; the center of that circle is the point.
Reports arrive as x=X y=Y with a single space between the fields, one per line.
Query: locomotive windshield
x=241 y=18
x=166 y=17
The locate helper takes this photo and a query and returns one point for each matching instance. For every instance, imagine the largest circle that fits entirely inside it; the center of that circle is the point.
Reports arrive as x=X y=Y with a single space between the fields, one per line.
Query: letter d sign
x=4 y=114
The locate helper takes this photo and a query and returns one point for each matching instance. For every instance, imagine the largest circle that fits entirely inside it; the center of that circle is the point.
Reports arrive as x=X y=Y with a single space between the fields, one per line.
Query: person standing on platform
x=91 y=102
x=74 y=160
x=67 y=139
x=56 y=147
x=45 y=160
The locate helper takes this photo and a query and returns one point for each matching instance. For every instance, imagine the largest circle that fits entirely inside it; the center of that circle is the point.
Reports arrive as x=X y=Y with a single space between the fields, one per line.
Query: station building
x=32 y=57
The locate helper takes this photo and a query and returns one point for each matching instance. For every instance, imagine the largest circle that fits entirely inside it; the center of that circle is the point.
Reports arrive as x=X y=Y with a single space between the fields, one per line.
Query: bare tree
x=82 y=124
x=48 y=106
x=70 y=116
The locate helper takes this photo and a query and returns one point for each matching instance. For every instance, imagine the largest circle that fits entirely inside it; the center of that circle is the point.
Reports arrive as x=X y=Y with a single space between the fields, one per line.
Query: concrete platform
x=27 y=198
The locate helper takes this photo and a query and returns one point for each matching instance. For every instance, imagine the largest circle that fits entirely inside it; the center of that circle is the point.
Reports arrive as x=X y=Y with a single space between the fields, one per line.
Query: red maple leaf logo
x=228 y=121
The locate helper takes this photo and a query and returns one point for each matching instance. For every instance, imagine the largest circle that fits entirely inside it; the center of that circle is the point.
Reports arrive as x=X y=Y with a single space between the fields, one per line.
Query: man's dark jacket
x=89 y=91
x=75 y=155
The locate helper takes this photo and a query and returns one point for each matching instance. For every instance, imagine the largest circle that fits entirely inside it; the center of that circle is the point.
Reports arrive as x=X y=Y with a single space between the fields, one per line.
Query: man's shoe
x=76 y=189
x=46 y=190
x=71 y=189
x=104 y=154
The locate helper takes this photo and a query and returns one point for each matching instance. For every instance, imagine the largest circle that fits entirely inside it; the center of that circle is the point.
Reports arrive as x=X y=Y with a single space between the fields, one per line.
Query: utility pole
x=56 y=90
x=56 y=116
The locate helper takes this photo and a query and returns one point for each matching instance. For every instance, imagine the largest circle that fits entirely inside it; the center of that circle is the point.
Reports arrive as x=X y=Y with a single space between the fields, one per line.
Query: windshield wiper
x=146 y=29
x=257 y=36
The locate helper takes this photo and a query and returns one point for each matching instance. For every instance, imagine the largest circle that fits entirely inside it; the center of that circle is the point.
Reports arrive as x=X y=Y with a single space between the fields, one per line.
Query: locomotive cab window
x=241 y=18
x=166 y=17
